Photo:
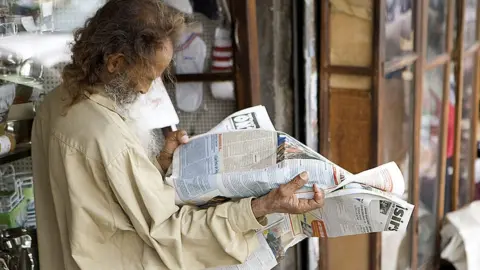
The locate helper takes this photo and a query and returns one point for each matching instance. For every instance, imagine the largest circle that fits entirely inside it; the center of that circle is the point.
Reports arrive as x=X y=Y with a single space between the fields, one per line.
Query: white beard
x=132 y=106
x=147 y=137
x=146 y=114
x=139 y=127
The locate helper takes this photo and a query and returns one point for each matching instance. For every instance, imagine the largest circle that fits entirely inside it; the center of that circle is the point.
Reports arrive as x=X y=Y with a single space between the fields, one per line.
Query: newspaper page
x=250 y=159
x=387 y=177
x=354 y=211
x=219 y=167
x=263 y=258
x=251 y=163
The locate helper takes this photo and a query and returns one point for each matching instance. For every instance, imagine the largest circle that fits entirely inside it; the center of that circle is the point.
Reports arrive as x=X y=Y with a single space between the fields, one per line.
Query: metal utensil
x=21 y=129
x=8 y=62
x=31 y=70
x=17 y=249
x=3 y=264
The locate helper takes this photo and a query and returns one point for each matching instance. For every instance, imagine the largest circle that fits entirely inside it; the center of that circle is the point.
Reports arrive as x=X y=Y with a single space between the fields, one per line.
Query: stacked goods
x=27 y=186
x=13 y=207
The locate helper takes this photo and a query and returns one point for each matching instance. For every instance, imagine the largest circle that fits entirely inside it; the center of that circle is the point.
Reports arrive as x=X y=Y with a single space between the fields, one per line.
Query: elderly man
x=101 y=202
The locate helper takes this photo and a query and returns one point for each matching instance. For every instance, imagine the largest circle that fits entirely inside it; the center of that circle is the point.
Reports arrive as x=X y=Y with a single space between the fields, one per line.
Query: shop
x=363 y=82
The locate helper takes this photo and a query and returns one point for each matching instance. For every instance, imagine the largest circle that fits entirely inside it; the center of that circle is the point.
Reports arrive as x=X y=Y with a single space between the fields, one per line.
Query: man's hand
x=284 y=200
x=172 y=141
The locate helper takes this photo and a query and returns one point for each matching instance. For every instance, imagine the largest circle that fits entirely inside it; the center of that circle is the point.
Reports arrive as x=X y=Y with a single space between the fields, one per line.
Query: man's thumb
x=173 y=140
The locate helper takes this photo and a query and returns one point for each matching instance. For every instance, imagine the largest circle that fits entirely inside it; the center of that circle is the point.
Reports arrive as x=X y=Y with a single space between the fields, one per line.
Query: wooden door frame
x=247 y=69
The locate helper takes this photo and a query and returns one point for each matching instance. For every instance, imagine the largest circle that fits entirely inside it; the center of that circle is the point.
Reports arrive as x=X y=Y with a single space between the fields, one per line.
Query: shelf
x=22 y=151
x=205 y=77
x=22 y=81
x=201 y=77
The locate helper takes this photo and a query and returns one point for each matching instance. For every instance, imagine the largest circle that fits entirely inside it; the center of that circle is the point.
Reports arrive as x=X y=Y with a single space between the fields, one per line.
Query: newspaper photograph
x=244 y=156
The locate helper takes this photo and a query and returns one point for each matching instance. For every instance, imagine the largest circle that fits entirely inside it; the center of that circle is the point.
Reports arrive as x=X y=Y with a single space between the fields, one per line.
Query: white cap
x=180 y=5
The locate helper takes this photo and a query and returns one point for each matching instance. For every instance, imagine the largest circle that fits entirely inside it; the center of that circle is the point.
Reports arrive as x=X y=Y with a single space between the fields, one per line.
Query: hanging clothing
x=190 y=59
x=222 y=61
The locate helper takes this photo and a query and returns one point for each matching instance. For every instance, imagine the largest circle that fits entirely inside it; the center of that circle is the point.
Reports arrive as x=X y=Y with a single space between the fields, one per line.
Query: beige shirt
x=102 y=204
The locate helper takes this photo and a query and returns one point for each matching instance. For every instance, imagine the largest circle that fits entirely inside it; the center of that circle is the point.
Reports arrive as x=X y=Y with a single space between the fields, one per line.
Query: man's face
x=162 y=60
x=125 y=87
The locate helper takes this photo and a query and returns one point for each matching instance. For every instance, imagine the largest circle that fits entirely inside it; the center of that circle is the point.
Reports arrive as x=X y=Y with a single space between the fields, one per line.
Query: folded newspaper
x=244 y=156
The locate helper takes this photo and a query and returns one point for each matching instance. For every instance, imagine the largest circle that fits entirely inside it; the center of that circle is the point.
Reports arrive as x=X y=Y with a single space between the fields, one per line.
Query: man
x=101 y=202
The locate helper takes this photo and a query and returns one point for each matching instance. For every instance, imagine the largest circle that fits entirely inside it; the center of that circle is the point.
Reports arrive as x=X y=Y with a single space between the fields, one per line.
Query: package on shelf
x=13 y=206
x=27 y=187
x=26 y=180
x=31 y=221
x=11 y=193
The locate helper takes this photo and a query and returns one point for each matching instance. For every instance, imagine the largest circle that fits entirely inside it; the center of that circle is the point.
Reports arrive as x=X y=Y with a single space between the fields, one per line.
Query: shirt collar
x=101 y=99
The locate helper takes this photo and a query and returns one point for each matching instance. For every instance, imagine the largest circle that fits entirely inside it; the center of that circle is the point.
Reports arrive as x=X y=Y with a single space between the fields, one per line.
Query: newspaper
x=250 y=118
x=244 y=156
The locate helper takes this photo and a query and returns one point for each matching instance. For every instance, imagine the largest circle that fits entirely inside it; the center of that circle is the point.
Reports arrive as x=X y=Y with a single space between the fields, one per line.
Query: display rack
x=19 y=153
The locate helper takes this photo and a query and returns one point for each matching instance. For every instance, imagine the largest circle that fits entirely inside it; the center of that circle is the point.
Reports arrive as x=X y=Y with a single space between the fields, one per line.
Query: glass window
x=437 y=28
x=465 y=131
x=430 y=133
x=450 y=143
x=398 y=28
x=351 y=33
x=396 y=135
x=470 y=23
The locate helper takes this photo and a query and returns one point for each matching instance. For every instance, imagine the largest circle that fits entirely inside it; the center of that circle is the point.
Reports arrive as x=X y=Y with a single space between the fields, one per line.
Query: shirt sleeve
x=186 y=237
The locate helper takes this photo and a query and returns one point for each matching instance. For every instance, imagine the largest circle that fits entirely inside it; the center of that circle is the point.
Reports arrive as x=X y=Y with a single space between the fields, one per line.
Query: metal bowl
x=21 y=129
x=31 y=70
x=8 y=62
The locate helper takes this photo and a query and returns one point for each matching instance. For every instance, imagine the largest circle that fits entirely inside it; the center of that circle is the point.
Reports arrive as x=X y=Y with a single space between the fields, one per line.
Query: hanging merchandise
x=208 y=8
x=222 y=61
x=190 y=59
x=183 y=6
x=26 y=178
x=7 y=143
x=222 y=55
x=13 y=207
x=18 y=249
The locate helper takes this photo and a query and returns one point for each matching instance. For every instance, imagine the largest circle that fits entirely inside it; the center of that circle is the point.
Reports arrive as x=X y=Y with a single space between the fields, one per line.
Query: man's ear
x=115 y=63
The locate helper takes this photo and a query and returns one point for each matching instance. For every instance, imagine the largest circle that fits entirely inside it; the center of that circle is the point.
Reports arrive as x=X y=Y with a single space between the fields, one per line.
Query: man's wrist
x=259 y=207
